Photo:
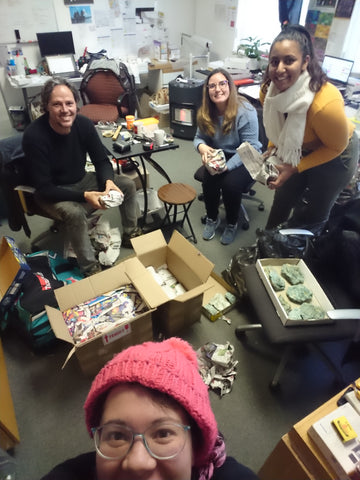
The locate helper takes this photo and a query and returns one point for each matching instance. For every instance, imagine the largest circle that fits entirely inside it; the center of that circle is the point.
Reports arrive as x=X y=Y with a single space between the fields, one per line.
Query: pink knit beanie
x=170 y=367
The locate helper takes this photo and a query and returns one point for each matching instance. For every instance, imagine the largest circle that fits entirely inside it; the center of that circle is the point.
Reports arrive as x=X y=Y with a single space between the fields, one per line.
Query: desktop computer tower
x=185 y=96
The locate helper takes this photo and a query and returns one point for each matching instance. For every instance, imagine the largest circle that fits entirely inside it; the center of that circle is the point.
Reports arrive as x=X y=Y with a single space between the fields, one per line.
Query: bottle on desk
x=11 y=66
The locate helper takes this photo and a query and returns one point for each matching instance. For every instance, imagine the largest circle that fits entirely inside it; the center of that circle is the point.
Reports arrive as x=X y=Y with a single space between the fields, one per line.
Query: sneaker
x=126 y=237
x=210 y=227
x=228 y=234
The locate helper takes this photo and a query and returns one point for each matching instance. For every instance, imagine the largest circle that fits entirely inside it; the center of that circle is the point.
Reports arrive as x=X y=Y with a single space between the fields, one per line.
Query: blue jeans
x=73 y=215
x=306 y=199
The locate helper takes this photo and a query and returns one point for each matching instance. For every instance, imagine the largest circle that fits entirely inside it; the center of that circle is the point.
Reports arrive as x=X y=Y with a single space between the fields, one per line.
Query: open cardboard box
x=217 y=285
x=319 y=297
x=94 y=353
x=13 y=268
x=190 y=268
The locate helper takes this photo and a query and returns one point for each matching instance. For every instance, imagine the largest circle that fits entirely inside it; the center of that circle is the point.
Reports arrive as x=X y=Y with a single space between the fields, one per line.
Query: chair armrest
x=22 y=190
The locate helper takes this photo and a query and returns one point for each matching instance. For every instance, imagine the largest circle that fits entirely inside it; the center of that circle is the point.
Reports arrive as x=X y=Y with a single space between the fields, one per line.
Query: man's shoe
x=126 y=237
x=229 y=234
x=210 y=227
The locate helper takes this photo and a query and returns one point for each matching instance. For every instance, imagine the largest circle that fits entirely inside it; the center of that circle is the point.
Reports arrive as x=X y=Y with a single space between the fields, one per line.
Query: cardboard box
x=190 y=268
x=217 y=285
x=13 y=268
x=319 y=298
x=94 y=353
x=342 y=456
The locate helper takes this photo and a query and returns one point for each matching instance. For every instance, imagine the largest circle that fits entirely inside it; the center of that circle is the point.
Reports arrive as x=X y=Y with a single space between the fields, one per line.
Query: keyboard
x=75 y=74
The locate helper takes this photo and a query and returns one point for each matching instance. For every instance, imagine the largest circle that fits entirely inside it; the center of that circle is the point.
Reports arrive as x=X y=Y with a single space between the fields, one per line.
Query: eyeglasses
x=162 y=440
x=222 y=85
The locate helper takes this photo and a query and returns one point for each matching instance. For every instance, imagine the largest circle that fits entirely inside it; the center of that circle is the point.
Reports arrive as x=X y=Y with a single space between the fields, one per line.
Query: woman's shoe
x=210 y=227
x=229 y=234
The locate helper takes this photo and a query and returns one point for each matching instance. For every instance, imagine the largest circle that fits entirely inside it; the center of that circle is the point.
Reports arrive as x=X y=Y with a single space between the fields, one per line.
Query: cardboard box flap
x=70 y=354
x=191 y=256
x=149 y=242
x=153 y=294
x=58 y=324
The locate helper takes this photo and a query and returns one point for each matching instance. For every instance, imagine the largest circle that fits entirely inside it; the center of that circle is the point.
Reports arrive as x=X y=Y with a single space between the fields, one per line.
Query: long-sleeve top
x=246 y=129
x=327 y=129
x=55 y=160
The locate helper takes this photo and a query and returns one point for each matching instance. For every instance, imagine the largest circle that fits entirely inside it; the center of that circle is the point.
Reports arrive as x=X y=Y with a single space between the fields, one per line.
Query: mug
x=159 y=137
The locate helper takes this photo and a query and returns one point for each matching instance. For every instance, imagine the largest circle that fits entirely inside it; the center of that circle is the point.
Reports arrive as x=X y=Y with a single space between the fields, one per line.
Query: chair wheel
x=245 y=226
x=201 y=197
x=54 y=229
x=240 y=334
x=261 y=208
x=203 y=219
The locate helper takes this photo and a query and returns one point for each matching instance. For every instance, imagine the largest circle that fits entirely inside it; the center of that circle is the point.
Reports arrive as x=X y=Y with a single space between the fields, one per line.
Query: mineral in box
x=188 y=265
x=13 y=268
x=95 y=352
x=282 y=303
x=219 y=297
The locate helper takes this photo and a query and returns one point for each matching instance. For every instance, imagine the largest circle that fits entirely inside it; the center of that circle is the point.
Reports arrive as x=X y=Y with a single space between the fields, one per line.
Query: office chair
x=18 y=196
x=104 y=97
x=286 y=339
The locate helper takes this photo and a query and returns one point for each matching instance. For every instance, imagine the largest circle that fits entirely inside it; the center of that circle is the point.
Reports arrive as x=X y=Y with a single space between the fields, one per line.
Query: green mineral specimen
x=292 y=274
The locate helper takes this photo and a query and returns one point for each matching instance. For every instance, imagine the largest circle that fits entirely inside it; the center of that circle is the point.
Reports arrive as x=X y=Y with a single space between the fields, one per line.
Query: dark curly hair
x=299 y=34
x=49 y=87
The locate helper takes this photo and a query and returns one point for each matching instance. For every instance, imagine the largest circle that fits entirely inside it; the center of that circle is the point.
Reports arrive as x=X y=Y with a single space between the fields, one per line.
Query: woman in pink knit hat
x=149 y=413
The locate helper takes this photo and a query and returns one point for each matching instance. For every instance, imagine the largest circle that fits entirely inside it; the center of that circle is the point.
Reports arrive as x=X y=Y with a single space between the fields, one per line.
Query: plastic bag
x=233 y=274
x=274 y=244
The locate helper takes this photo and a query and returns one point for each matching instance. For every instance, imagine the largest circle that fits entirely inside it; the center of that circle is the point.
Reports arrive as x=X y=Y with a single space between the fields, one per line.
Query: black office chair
x=286 y=339
x=18 y=196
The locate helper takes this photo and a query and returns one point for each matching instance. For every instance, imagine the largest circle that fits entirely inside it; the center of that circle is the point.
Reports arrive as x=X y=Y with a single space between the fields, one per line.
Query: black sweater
x=55 y=160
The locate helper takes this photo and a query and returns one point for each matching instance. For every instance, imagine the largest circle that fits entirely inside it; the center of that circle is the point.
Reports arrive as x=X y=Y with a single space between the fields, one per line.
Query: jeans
x=310 y=195
x=74 y=215
x=231 y=184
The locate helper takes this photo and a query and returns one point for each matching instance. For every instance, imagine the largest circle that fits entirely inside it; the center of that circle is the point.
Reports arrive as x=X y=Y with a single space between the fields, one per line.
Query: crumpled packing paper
x=217 y=367
x=216 y=163
x=260 y=166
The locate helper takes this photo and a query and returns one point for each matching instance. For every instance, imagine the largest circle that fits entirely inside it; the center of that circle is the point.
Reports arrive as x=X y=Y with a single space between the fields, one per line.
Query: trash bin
x=19 y=117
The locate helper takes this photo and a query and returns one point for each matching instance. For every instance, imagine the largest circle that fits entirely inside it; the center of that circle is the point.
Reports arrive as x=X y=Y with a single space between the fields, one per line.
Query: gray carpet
x=48 y=399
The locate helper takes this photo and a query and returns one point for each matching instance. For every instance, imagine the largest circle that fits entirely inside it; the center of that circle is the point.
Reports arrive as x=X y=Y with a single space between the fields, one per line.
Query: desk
x=137 y=151
x=34 y=81
x=296 y=456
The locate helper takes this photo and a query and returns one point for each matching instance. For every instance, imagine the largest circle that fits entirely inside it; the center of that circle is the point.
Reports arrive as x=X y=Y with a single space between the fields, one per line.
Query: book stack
x=337 y=437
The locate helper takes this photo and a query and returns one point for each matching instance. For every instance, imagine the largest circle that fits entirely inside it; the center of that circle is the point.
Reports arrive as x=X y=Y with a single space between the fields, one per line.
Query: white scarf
x=287 y=134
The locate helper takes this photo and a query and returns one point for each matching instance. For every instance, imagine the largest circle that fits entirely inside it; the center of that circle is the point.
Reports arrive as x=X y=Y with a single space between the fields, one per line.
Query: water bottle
x=11 y=67
x=7 y=466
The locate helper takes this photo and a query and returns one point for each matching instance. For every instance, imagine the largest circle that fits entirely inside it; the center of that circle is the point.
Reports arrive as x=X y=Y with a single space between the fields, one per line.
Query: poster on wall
x=344 y=8
x=318 y=23
x=80 y=14
x=77 y=2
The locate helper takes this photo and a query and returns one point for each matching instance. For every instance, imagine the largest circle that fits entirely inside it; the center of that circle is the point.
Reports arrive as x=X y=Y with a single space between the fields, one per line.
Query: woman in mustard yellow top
x=317 y=148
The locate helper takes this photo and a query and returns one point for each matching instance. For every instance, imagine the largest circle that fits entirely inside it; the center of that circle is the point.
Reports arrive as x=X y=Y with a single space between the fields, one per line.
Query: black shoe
x=126 y=237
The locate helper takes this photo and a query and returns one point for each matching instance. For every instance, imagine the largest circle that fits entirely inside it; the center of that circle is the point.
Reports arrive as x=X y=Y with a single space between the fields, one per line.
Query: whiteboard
x=27 y=16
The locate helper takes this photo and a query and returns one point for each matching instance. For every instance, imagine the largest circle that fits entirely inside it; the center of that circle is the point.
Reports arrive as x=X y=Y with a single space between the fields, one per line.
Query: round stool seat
x=176 y=193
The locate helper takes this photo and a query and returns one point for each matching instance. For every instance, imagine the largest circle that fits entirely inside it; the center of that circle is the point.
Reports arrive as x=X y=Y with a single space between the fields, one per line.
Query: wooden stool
x=174 y=195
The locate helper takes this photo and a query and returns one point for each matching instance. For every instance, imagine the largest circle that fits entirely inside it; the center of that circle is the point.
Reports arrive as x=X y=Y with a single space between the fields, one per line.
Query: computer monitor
x=337 y=69
x=55 y=43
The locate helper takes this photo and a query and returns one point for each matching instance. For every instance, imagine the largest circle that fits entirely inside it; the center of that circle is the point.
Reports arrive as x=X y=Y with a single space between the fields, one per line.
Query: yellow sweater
x=327 y=129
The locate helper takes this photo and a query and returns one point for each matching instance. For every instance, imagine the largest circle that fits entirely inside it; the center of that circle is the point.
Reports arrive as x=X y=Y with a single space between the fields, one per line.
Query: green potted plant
x=251 y=48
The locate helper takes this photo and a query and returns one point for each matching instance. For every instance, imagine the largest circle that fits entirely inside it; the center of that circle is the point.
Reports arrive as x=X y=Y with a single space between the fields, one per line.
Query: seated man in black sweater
x=56 y=145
